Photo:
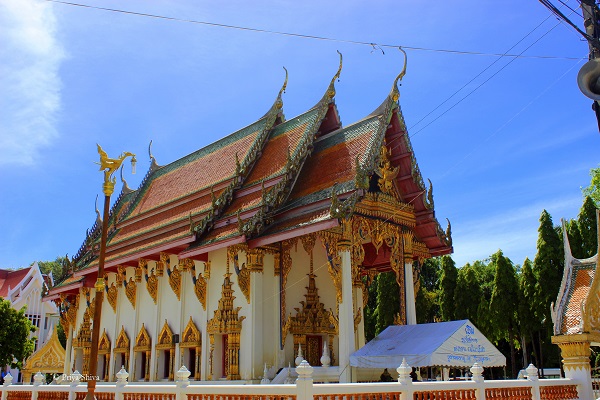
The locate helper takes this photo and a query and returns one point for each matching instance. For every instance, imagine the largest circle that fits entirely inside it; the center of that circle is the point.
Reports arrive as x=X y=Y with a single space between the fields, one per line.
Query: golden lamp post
x=109 y=166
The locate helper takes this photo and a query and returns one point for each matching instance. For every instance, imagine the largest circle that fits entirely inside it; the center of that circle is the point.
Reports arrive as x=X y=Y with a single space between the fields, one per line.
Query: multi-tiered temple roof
x=267 y=182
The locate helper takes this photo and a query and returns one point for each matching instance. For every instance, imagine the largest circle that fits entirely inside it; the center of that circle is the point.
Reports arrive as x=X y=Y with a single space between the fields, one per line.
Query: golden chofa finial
x=279 y=102
x=396 y=93
x=110 y=165
x=331 y=89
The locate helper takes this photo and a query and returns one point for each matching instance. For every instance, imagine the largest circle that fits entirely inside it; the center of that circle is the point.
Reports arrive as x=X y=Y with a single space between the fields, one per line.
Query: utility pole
x=591 y=14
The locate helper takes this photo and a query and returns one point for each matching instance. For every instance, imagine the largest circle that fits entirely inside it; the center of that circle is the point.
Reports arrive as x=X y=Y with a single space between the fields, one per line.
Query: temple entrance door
x=225 y=357
x=314 y=347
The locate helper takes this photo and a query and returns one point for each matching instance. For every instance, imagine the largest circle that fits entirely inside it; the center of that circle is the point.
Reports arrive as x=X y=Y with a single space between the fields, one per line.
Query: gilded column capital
x=344 y=244
x=575 y=351
x=255 y=259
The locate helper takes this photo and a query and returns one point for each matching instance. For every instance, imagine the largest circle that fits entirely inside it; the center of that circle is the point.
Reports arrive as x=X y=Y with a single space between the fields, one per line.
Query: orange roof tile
x=195 y=175
x=581 y=282
x=334 y=158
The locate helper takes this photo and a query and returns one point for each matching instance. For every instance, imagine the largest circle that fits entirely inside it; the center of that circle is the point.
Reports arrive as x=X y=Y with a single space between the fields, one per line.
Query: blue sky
x=71 y=77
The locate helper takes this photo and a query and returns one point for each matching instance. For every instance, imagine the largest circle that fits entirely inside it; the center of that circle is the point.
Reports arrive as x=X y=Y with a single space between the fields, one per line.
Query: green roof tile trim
x=340 y=188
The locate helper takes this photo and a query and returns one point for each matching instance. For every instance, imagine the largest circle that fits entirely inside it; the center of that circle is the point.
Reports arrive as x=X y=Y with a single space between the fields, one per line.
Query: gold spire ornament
x=110 y=165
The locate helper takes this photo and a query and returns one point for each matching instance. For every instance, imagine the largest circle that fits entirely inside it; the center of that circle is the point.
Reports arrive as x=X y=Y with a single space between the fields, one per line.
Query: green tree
x=467 y=294
x=60 y=268
x=575 y=239
x=593 y=191
x=370 y=308
x=388 y=301
x=448 y=277
x=547 y=267
x=528 y=320
x=503 y=304
x=587 y=226
x=15 y=344
x=426 y=302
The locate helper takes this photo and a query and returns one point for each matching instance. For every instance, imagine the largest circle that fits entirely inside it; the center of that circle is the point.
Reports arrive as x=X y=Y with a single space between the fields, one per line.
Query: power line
x=484 y=82
x=479 y=74
x=305 y=36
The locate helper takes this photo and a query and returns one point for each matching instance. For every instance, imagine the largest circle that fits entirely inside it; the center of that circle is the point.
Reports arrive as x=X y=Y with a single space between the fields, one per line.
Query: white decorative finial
x=404 y=371
x=265 y=379
x=325 y=359
x=477 y=371
x=38 y=379
x=122 y=376
x=532 y=373
x=300 y=356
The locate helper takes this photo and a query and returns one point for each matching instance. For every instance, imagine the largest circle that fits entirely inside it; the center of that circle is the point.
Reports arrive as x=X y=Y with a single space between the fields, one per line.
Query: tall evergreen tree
x=547 y=266
x=370 y=309
x=575 y=240
x=528 y=320
x=587 y=225
x=388 y=301
x=448 y=277
x=467 y=295
x=427 y=304
x=503 y=305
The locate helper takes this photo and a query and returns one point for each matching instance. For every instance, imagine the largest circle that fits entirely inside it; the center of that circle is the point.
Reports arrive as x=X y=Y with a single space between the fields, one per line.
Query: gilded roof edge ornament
x=126 y=189
x=395 y=92
x=278 y=104
x=330 y=92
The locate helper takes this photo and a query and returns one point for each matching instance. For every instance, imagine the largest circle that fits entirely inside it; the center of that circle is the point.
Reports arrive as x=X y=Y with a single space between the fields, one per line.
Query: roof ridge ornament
x=330 y=93
x=153 y=164
x=395 y=91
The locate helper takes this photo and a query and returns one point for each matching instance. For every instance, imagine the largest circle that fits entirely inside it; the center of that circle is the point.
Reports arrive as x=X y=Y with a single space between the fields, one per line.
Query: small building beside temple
x=24 y=288
x=264 y=242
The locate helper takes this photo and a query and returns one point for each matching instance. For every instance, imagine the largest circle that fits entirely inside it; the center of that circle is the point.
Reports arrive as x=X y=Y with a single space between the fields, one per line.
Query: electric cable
x=306 y=36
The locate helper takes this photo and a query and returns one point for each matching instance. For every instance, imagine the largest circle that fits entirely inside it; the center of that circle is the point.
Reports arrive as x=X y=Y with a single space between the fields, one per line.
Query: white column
x=346 y=314
x=411 y=311
x=575 y=351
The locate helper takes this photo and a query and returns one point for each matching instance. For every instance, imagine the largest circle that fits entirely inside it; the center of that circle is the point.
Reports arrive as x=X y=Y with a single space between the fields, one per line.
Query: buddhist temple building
x=261 y=243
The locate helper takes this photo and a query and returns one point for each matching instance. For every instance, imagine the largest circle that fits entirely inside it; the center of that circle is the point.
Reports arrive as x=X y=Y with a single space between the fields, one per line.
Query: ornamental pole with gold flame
x=109 y=166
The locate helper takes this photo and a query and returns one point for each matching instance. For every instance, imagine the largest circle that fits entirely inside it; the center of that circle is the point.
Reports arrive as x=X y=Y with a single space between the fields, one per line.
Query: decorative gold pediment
x=122 y=344
x=243 y=273
x=387 y=172
x=142 y=341
x=50 y=358
x=104 y=345
x=165 y=337
x=191 y=335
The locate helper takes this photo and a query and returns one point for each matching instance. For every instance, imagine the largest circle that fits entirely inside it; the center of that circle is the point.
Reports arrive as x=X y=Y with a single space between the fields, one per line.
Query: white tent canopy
x=442 y=344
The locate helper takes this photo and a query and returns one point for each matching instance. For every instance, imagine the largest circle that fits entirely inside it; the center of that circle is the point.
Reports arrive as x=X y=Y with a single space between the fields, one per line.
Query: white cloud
x=29 y=80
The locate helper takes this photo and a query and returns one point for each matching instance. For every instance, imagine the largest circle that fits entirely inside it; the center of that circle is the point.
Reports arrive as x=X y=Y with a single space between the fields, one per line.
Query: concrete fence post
x=304 y=383
x=532 y=376
x=477 y=373
x=74 y=381
x=38 y=380
x=183 y=381
x=121 y=382
x=405 y=380
x=7 y=381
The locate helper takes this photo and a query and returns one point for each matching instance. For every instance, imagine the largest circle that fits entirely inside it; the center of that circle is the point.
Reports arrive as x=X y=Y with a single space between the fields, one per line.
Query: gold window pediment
x=165 y=337
x=191 y=335
x=122 y=344
x=142 y=341
x=104 y=345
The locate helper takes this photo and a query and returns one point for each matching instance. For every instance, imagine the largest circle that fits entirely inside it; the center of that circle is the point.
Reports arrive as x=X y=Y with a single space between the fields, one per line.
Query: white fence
x=304 y=389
